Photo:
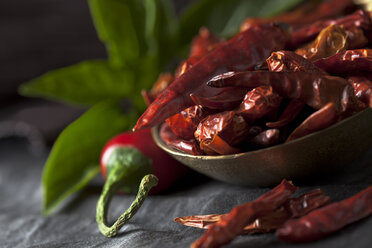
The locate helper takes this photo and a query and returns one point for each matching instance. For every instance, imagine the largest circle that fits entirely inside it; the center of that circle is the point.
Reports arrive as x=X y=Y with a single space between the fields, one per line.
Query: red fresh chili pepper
x=347 y=61
x=359 y=19
x=326 y=220
x=241 y=53
x=233 y=223
x=126 y=159
x=313 y=89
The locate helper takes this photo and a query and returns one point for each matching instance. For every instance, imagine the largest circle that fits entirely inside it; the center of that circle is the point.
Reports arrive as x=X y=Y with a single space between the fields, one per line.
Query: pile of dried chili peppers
x=306 y=218
x=279 y=79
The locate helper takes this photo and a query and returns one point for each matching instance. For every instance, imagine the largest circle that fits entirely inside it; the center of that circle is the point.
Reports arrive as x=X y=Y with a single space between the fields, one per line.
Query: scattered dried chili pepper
x=347 y=61
x=292 y=208
x=326 y=220
x=233 y=223
x=331 y=40
x=241 y=53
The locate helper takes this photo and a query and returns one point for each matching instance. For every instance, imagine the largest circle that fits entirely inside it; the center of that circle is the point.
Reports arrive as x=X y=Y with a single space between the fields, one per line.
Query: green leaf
x=87 y=83
x=118 y=24
x=74 y=159
x=225 y=16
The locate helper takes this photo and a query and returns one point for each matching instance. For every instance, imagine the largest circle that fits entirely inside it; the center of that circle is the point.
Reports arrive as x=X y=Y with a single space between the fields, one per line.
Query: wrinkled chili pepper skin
x=227 y=99
x=164 y=80
x=258 y=102
x=188 y=146
x=201 y=45
x=228 y=125
x=241 y=53
x=331 y=40
x=185 y=123
x=217 y=146
x=329 y=219
x=356 y=38
x=362 y=88
x=347 y=61
x=290 y=61
x=359 y=19
x=233 y=223
x=313 y=89
x=167 y=169
x=291 y=111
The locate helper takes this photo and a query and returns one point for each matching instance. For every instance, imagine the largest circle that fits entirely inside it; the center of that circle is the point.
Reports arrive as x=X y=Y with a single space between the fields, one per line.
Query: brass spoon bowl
x=326 y=151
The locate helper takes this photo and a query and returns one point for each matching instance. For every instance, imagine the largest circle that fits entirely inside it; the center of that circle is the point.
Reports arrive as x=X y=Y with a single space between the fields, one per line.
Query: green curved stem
x=111 y=186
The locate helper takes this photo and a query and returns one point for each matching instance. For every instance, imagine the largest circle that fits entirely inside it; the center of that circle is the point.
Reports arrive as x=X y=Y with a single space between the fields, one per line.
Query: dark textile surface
x=74 y=225
x=40 y=35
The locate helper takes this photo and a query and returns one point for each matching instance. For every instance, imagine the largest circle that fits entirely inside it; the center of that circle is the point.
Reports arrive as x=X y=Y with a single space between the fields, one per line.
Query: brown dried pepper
x=290 y=61
x=326 y=220
x=266 y=138
x=241 y=53
x=331 y=40
x=217 y=146
x=319 y=120
x=202 y=44
x=188 y=146
x=359 y=19
x=228 y=125
x=258 y=102
x=163 y=81
x=234 y=222
x=347 y=61
x=313 y=89
x=292 y=208
x=362 y=88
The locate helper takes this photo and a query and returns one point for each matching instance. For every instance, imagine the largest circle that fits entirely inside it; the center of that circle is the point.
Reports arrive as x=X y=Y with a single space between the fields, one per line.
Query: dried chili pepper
x=326 y=220
x=319 y=120
x=164 y=80
x=188 y=146
x=362 y=88
x=258 y=102
x=185 y=123
x=234 y=222
x=290 y=113
x=216 y=145
x=356 y=38
x=229 y=98
x=347 y=61
x=313 y=89
x=331 y=40
x=266 y=138
x=292 y=208
x=359 y=19
x=307 y=13
x=240 y=53
x=290 y=61
x=228 y=125
x=201 y=45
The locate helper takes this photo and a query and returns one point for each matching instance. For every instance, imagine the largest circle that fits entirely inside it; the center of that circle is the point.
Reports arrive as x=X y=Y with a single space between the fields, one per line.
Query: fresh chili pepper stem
x=111 y=186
